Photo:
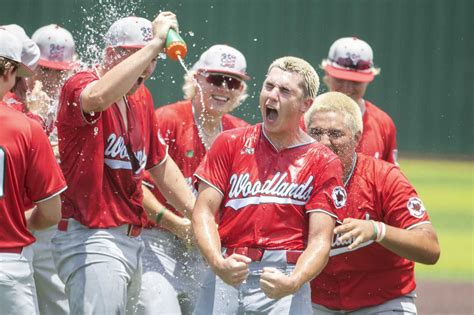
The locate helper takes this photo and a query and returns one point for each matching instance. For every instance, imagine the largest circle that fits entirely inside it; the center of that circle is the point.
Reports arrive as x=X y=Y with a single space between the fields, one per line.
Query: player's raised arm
x=119 y=77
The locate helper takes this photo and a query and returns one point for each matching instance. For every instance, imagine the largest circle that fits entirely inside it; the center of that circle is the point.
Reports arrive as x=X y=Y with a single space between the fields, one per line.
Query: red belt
x=13 y=250
x=132 y=230
x=256 y=254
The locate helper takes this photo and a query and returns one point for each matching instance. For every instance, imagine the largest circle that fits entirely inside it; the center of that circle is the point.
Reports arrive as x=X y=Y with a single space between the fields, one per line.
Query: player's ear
x=306 y=105
x=357 y=137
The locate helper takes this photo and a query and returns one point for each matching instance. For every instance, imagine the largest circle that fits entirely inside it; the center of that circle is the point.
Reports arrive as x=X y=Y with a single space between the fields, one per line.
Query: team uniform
x=11 y=100
x=165 y=254
x=97 y=250
x=372 y=279
x=379 y=138
x=267 y=196
x=28 y=169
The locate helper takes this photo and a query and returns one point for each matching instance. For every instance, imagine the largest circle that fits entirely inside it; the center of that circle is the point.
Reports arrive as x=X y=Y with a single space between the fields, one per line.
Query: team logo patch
x=228 y=60
x=56 y=52
x=190 y=153
x=247 y=150
x=339 y=196
x=416 y=207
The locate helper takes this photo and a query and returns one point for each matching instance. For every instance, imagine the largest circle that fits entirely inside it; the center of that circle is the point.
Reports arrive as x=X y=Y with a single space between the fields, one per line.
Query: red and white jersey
x=178 y=127
x=371 y=274
x=267 y=194
x=95 y=151
x=28 y=169
x=379 y=138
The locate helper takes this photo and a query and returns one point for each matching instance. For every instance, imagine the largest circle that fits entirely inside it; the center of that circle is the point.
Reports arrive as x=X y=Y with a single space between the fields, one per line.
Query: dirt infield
x=441 y=297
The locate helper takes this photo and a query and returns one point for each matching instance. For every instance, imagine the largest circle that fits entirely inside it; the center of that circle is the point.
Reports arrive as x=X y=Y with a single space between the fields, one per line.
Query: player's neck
x=284 y=140
x=209 y=121
x=361 y=103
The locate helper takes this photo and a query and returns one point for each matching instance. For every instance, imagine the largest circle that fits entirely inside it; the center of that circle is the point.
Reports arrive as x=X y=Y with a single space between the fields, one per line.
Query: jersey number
x=2 y=170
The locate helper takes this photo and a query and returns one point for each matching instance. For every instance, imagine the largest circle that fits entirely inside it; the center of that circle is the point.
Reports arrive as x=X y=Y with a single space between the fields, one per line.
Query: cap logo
x=146 y=34
x=228 y=60
x=416 y=207
x=339 y=196
x=56 y=52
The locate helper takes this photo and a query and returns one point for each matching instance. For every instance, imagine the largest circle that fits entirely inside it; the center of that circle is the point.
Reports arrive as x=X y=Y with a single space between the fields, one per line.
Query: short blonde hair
x=338 y=103
x=297 y=65
x=189 y=89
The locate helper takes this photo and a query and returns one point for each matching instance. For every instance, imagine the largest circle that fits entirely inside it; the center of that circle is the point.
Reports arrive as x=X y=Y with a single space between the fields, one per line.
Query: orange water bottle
x=175 y=45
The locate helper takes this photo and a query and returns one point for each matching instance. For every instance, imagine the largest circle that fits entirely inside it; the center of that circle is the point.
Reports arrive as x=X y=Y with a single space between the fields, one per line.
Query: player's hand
x=234 y=269
x=37 y=101
x=360 y=230
x=185 y=232
x=275 y=284
x=162 y=23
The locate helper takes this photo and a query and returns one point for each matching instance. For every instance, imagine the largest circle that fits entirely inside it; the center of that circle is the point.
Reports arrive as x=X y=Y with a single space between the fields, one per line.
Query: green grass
x=447 y=190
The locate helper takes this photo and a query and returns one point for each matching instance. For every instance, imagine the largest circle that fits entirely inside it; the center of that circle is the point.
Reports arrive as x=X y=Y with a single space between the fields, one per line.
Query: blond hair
x=310 y=82
x=338 y=103
x=6 y=64
x=189 y=89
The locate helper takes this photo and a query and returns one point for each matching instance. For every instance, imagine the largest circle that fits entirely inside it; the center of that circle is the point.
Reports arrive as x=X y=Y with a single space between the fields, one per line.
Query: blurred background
x=425 y=49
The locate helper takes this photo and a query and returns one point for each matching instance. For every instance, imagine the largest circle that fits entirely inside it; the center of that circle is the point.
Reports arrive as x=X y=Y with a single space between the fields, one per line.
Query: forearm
x=117 y=81
x=155 y=209
x=173 y=186
x=46 y=214
x=418 y=245
x=207 y=237
x=311 y=262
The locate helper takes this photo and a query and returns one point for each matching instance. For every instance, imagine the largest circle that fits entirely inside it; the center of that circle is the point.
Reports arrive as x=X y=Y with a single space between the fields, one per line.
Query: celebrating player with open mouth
x=275 y=192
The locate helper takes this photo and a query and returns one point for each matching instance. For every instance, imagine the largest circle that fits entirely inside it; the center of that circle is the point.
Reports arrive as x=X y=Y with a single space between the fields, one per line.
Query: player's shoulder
x=230 y=122
x=81 y=76
x=318 y=151
x=240 y=135
x=17 y=123
x=174 y=111
x=375 y=170
x=377 y=113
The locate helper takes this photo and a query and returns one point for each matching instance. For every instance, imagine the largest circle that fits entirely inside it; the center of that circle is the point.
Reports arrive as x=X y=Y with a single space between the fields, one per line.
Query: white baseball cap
x=14 y=48
x=129 y=32
x=222 y=59
x=56 y=46
x=350 y=58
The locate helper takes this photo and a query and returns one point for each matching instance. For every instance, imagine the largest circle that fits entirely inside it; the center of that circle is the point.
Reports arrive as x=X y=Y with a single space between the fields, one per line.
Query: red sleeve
x=44 y=178
x=70 y=111
x=158 y=147
x=391 y=152
x=401 y=205
x=166 y=126
x=329 y=196
x=216 y=166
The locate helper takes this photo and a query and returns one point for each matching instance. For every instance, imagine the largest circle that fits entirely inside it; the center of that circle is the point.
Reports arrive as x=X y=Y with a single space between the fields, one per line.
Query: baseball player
x=106 y=141
x=386 y=227
x=16 y=97
x=276 y=194
x=27 y=170
x=56 y=63
x=189 y=127
x=349 y=69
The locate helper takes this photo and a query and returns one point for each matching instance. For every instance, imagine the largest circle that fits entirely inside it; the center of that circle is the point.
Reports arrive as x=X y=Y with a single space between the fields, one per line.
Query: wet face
x=52 y=79
x=282 y=101
x=119 y=54
x=220 y=92
x=353 y=89
x=330 y=129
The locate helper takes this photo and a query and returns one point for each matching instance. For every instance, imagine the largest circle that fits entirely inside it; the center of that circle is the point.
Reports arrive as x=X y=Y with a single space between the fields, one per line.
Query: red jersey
x=379 y=138
x=11 y=100
x=267 y=194
x=27 y=169
x=371 y=274
x=102 y=159
x=178 y=127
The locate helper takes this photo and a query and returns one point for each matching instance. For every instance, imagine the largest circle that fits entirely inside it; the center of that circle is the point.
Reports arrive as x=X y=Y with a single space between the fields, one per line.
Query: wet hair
x=6 y=64
x=190 y=89
x=338 y=103
x=310 y=83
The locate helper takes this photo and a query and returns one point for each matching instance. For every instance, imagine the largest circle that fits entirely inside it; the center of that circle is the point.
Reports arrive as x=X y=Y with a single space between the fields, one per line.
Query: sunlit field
x=447 y=188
